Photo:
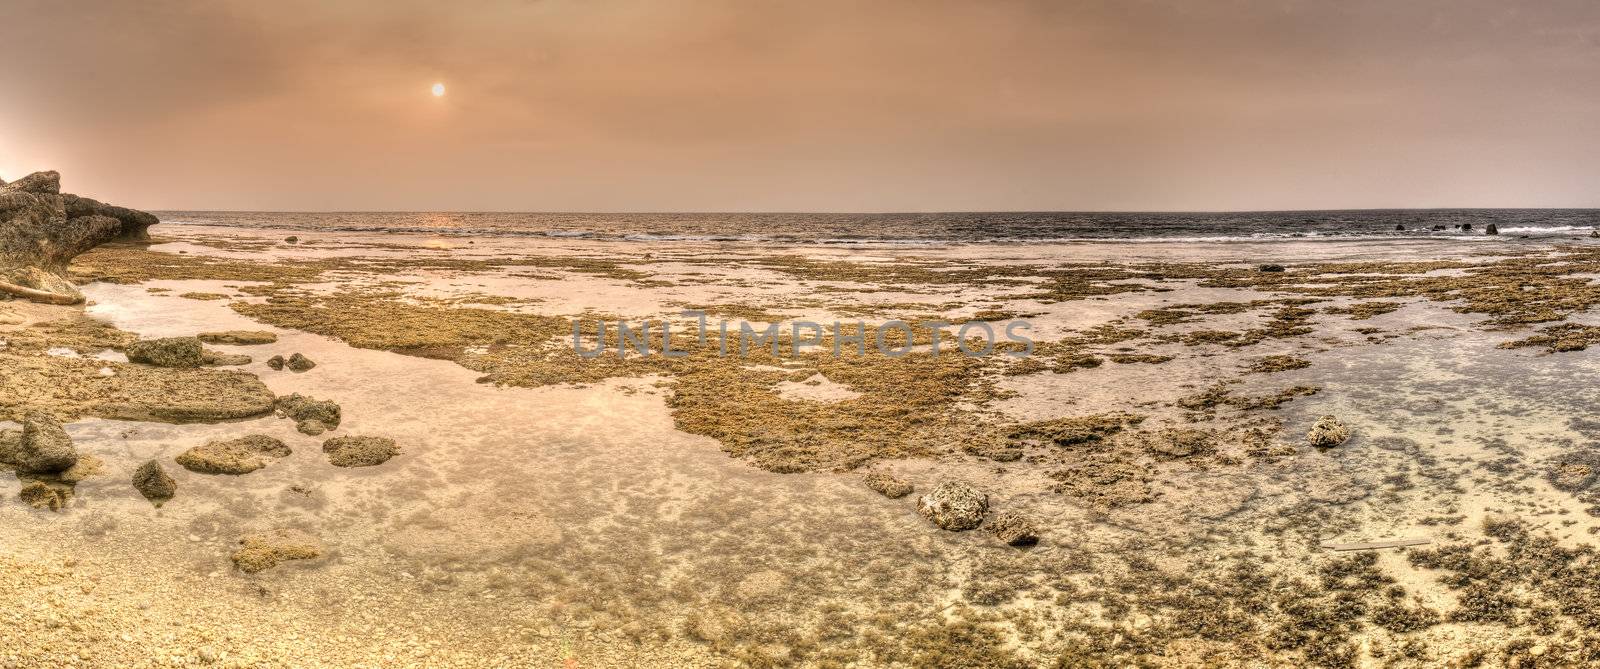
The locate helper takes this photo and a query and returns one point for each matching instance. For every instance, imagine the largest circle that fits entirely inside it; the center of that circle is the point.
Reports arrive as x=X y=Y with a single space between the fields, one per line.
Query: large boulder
x=43 y=447
x=41 y=230
x=184 y=352
x=954 y=506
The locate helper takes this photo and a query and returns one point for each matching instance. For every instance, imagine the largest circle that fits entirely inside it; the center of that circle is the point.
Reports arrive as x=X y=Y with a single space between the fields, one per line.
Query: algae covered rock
x=184 y=352
x=238 y=337
x=888 y=485
x=299 y=363
x=259 y=551
x=954 y=506
x=41 y=495
x=359 y=451
x=311 y=428
x=1328 y=432
x=1013 y=529
x=43 y=447
x=276 y=363
x=301 y=408
x=235 y=456
x=152 y=481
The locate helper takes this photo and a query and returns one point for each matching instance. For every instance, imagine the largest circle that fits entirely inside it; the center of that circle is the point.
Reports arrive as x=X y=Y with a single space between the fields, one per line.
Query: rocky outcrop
x=954 y=506
x=235 y=457
x=359 y=451
x=42 y=229
x=181 y=352
x=152 y=481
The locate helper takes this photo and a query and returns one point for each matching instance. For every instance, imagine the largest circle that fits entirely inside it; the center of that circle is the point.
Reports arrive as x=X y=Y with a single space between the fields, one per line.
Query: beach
x=1160 y=483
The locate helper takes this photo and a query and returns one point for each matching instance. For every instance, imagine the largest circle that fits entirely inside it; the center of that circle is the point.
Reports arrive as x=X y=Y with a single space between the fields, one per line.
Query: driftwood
x=43 y=229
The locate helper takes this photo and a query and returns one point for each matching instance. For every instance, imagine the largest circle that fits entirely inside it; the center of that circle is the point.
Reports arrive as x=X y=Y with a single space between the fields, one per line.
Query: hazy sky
x=870 y=105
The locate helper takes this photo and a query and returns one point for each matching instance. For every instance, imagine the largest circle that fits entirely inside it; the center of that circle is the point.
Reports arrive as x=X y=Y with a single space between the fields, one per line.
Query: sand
x=546 y=510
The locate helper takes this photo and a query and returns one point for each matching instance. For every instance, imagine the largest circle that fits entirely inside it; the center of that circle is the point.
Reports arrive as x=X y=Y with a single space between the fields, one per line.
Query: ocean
x=933 y=228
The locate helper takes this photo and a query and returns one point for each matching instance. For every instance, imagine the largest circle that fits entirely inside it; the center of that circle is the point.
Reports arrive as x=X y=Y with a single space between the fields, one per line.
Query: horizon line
x=658 y=212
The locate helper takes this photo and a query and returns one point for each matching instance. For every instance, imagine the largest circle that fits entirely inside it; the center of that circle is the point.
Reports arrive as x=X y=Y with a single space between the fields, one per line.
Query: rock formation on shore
x=43 y=229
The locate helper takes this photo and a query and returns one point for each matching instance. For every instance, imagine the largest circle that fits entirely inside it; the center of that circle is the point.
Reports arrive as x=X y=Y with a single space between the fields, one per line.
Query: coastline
x=705 y=512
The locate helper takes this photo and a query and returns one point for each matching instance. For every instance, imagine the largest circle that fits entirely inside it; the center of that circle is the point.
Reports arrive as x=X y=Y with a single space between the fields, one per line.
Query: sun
x=438 y=90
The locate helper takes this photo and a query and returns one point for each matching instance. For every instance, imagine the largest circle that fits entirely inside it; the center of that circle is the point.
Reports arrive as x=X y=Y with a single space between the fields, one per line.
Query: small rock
x=1328 y=432
x=291 y=239
x=1491 y=229
x=183 y=352
x=235 y=457
x=152 y=481
x=1014 y=530
x=1400 y=226
x=301 y=408
x=1271 y=268
x=44 y=447
x=299 y=363
x=888 y=486
x=41 y=495
x=359 y=451
x=311 y=428
x=276 y=363
x=264 y=550
x=216 y=359
x=954 y=506
x=238 y=337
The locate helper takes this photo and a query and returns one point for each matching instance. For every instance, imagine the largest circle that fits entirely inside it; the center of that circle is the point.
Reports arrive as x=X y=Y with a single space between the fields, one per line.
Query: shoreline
x=1150 y=474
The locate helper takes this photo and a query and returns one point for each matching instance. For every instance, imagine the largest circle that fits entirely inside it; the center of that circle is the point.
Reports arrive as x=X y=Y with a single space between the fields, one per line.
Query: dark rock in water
x=1468 y=226
x=1271 y=268
x=1594 y=233
x=184 y=352
x=1491 y=229
x=1400 y=226
x=301 y=408
x=238 y=337
x=43 y=446
x=1438 y=228
x=42 y=230
x=359 y=451
x=216 y=359
x=235 y=457
x=260 y=551
x=291 y=239
x=41 y=495
x=299 y=363
x=1014 y=530
x=276 y=363
x=152 y=481
x=954 y=506
x=887 y=485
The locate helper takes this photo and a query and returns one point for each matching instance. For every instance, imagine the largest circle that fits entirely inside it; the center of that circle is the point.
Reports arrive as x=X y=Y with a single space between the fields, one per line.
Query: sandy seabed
x=547 y=510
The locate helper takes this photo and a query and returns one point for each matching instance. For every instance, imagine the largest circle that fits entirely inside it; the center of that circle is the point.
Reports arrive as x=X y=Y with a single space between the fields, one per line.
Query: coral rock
x=235 y=457
x=1328 y=432
x=954 y=506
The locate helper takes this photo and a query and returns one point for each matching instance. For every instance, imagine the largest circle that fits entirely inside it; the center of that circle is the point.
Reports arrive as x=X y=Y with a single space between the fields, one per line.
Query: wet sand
x=712 y=512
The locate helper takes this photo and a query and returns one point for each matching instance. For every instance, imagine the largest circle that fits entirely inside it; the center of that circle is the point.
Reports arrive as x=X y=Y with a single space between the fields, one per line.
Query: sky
x=815 y=105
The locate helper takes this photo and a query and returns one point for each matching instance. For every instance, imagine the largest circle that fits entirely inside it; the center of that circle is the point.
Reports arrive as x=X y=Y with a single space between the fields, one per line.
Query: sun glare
x=438 y=90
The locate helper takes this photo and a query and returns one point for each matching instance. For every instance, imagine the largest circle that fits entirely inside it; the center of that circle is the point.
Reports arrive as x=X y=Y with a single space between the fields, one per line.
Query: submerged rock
x=301 y=408
x=311 y=428
x=185 y=352
x=359 y=451
x=260 y=551
x=41 y=495
x=234 y=457
x=887 y=485
x=954 y=506
x=152 y=481
x=217 y=359
x=43 y=446
x=238 y=337
x=1271 y=268
x=1013 y=529
x=1328 y=432
x=276 y=363
x=299 y=363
